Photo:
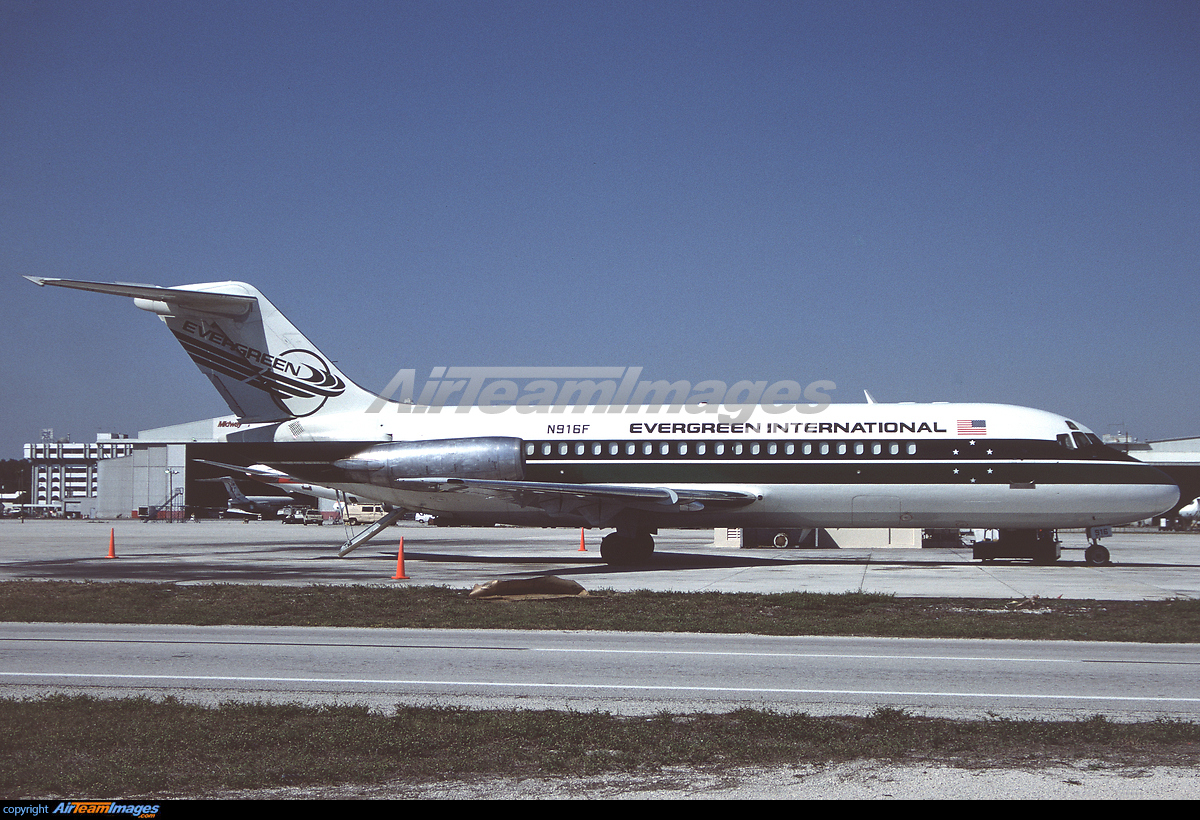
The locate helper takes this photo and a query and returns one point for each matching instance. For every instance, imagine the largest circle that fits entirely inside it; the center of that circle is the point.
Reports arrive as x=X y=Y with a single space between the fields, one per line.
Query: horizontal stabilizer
x=221 y=304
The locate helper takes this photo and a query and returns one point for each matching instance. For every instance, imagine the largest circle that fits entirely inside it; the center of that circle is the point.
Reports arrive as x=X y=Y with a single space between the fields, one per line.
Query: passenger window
x=562 y=449
x=894 y=448
x=807 y=449
x=911 y=448
x=546 y=449
x=664 y=449
x=529 y=448
x=597 y=448
x=859 y=449
x=737 y=449
x=701 y=449
x=647 y=449
x=824 y=448
x=841 y=448
x=613 y=448
x=630 y=449
x=754 y=448
x=720 y=448
x=682 y=449
x=580 y=448
x=789 y=449
x=876 y=448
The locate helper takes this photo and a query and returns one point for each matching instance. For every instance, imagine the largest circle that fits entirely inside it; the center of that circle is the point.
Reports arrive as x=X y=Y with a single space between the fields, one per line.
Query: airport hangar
x=160 y=473
x=161 y=476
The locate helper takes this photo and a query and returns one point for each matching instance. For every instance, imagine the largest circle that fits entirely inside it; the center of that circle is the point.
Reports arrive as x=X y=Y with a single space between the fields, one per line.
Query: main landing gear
x=623 y=549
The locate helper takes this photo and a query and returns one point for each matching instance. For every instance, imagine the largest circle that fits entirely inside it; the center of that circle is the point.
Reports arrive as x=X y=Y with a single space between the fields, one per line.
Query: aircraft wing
x=597 y=503
x=260 y=472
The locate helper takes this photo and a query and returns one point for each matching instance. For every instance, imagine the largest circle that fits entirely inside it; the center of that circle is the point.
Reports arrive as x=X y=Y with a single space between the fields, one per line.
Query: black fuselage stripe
x=848 y=472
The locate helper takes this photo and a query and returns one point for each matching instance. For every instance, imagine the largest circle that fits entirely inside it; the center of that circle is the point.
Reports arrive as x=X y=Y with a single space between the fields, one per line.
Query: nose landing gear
x=1096 y=555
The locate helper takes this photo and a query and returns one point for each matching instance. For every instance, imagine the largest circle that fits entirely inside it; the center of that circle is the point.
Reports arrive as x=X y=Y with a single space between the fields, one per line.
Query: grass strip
x=79 y=745
x=794 y=613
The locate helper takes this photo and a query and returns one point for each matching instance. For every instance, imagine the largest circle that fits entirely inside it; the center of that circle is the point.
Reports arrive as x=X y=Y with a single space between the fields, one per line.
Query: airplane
x=638 y=468
x=1191 y=510
x=255 y=506
x=275 y=478
x=11 y=503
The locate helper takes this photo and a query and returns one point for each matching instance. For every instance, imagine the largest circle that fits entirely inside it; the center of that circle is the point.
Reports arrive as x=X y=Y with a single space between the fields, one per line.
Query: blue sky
x=983 y=201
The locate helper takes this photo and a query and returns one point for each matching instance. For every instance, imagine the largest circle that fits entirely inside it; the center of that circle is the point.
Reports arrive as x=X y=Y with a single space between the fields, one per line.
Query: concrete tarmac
x=1145 y=565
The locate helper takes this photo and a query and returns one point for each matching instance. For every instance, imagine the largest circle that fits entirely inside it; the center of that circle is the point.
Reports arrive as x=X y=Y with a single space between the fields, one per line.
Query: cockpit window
x=1080 y=440
x=1065 y=440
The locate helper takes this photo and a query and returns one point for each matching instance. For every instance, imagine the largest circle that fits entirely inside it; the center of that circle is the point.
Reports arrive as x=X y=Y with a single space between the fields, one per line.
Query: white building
x=65 y=476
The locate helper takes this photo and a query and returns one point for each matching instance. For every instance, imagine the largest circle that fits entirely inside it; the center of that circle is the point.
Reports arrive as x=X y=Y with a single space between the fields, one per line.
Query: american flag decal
x=972 y=427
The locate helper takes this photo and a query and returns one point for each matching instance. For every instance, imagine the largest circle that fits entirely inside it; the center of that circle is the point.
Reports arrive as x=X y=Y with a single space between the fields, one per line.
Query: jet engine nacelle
x=493 y=457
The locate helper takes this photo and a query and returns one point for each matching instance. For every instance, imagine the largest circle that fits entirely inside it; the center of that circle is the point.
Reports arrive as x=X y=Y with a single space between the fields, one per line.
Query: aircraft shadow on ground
x=592 y=564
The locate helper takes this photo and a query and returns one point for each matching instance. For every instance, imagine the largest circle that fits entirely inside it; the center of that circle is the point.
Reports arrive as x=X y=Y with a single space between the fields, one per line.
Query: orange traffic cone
x=582 y=548
x=400 y=576
x=112 y=543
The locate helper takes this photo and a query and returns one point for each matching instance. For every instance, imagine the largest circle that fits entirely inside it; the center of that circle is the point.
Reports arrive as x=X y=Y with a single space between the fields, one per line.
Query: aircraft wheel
x=1096 y=555
x=615 y=549
x=626 y=550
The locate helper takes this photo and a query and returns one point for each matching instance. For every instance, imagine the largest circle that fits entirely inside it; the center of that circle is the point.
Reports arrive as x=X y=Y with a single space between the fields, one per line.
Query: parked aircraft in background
x=1191 y=510
x=257 y=506
x=11 y=503
x=638 y=468
x=274 y=478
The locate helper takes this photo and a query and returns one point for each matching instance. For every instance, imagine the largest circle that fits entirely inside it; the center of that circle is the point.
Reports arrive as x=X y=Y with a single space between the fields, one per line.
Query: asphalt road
x=626 y=673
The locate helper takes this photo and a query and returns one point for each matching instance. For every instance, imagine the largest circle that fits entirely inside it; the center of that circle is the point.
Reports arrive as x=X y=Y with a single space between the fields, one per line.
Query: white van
x=364 y=513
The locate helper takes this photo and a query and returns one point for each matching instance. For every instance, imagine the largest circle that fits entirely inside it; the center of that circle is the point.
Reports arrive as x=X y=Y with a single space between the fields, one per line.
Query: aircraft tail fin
x=264 y=368
x=235 y=492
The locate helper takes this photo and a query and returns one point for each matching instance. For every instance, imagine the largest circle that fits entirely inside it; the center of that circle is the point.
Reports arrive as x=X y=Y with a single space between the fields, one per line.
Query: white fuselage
x=870 y=465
